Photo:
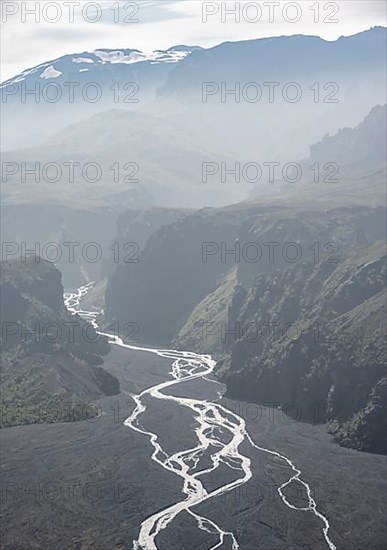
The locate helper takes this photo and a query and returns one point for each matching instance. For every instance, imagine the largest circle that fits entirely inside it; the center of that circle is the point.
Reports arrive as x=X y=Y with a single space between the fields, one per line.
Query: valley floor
x=90 y=485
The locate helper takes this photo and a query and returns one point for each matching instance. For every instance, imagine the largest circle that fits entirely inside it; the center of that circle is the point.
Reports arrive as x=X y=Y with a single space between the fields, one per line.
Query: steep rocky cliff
x=158 y=292
x=287 y=291
x=290 y=299
x=50 y=359
x=317 y=349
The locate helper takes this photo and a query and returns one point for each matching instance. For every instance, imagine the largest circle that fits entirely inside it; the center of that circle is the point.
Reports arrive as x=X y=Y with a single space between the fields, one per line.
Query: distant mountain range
x=66 y=89
x=143 y=159
x=278 y=58
x=100 y=62
x=171 y=293
x=169 y=176
x=350 y=70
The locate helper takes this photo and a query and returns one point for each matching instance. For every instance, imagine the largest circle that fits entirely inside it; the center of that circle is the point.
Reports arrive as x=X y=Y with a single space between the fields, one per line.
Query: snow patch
x=82 y=60
x=171 y=56
x=50 y=72
x=118 y=56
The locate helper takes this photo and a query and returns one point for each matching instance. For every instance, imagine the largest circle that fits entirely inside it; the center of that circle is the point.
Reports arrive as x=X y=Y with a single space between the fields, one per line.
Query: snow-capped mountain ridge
x=43 y=100
x=86 y=61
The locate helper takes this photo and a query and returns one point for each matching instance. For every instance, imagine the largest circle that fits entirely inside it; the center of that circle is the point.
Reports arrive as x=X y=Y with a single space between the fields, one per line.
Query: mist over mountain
x=211 y=281
x=321 y=306
x=193 y=295
x=357 y=149
x=43 y=99
x=351 y=162
x=185 y=145
x=259 y=93
x=226 y=96
x=134 y=159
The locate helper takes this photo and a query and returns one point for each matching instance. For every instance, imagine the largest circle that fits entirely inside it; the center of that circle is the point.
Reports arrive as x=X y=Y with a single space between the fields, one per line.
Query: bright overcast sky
x=164 y=23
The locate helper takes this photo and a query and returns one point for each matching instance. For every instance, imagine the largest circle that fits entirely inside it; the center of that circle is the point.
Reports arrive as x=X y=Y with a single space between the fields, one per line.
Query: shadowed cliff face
x=299 y=321
x=170 y=278
x=50 y=358
x=311 y=333
x=288 y=292
x=314 y=343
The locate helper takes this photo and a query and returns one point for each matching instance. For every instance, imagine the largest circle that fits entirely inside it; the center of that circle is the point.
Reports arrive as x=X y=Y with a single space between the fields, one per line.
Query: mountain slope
x=295 y=55
x=269 y=99
x=337 y=81
x=78 y=85
x=294 y=324
x=139 y=159
x=50 y=368
x=358 y=149
x=324 y=357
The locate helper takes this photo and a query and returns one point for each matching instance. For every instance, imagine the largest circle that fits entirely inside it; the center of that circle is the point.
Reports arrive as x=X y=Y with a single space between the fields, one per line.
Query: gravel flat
x=89 y=485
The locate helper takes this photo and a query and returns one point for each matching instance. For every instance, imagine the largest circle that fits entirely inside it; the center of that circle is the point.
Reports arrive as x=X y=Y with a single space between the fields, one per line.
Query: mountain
x=118 y=159
x=287 y=293
x=311 y=339
x=270 y=98
x=357 y=149
x=334 y=83
x=169 y=278
x=186 y=274
x=282 y=57
x=62 y=235
x=349 y=162
x=78 y=85
x=327 y=310
x=140 y=161
x=137 y=226
x=50 y=368
x=102 y=63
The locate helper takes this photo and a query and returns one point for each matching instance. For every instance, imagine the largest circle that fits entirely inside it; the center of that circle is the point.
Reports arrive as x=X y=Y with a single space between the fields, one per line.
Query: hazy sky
x=67 y=27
